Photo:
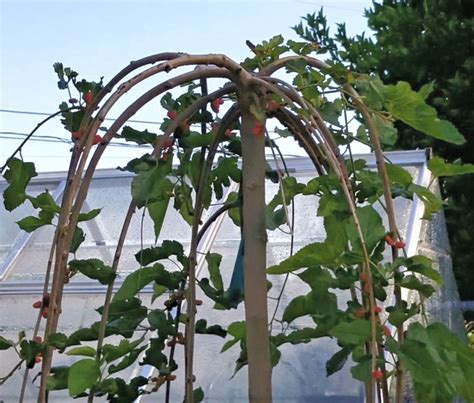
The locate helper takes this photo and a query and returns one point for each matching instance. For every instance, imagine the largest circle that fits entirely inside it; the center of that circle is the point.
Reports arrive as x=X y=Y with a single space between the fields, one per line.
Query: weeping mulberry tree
x=187 y=166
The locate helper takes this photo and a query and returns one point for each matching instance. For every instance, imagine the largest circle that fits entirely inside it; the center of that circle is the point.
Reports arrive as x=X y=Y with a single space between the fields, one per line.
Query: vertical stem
x=191 y=293
x=390 y=209
x=255 y=240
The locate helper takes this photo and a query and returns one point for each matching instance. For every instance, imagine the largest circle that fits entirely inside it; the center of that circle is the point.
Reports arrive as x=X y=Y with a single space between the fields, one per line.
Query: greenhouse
x=300 y=375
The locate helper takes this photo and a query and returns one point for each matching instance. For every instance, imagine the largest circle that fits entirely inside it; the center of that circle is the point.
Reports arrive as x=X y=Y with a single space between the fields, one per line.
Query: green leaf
x=59 y=341
x=82 y=350
x=398 y=175
x=90 y=215
x=352 y=333
x=198 y=395
x=438 y=167
x=95 y=269
x=413 y=283
x=163 y=322
x=331 y=111
x=111 y=352
x=419 y=264
x=30 y=224
x=237 y=330
x=431 y=201
x=314 y=254
x=57 y=380
x=313 y=303
x=44 y=201
x=410 y=107
x=155 y=357
x=5 y=344
x=362 y=371
x=337 y=361
x=398 y=315
x=152 y=185
x=157 y=210
x=371 y=227
x=168 y=248
x=197 y=140
x=127 y=361
x=158 y=291
x=82 y=375
x=440 y=364
x=202 y=328
x=213 y=264
x=18 y=176
x=317 y=278
x=137 y=136
x=135 y=281
x=426 y=90
x=29 y=350
x=77 y=239
x=226 y=170
x=288 y=189
x=304 y=335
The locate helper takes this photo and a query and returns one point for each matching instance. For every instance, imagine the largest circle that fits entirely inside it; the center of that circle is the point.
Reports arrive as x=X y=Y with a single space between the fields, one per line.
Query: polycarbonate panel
x=10 y=232
x=297 y=378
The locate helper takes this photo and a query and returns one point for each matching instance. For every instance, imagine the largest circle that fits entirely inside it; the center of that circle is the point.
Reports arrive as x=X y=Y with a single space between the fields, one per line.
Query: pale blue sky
x=98 y=38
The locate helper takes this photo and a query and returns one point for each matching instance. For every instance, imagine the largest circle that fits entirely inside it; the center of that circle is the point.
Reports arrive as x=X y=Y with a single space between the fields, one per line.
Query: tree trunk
x=255 y=240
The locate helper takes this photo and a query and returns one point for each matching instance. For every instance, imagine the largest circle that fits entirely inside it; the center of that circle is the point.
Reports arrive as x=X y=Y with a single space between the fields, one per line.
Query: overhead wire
x=20 y=112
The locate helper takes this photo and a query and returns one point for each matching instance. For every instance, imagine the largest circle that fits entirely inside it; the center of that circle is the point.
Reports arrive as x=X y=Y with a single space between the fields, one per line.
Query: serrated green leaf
x=352 y=333
x=426 y=90
x=413 y=283
x=168 y=248
x=410 y=107
x=314 y=254
x=420 y=264
x=431 y=201
x=385 y=130
x=95 y=269
x=58 y=340
x=135 y=281
x=30 y=223
x=44 y=201
x=439 y=167
x=440 y=364
x=82 y=375
x=155 y=357
x=371 y=227
x=111 y=352
x=152 y=185
x=18 y=176
x=137 y=136
x=313 y=303
x=398 y=174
